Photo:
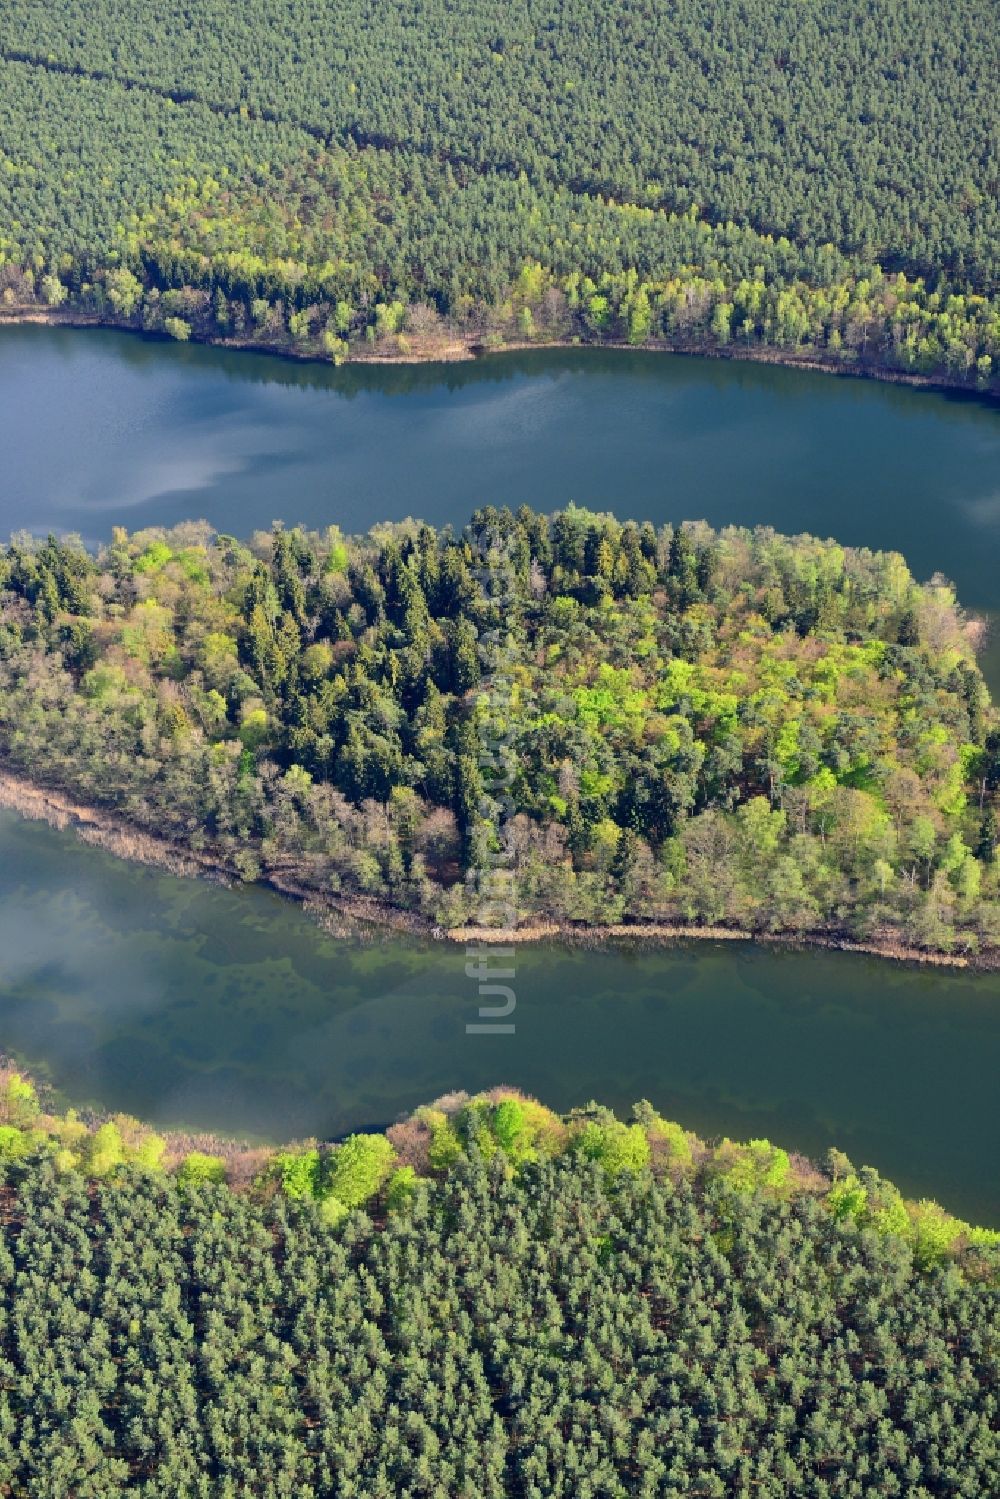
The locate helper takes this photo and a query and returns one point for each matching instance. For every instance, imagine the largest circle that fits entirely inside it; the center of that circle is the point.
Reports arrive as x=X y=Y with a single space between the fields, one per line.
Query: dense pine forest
x=488 y=1300
x=340 y=178
x=649 y=726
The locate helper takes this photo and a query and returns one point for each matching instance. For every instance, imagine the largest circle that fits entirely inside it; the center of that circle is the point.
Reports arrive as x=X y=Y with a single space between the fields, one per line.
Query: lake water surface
x=101 y=428
x=189 y=1004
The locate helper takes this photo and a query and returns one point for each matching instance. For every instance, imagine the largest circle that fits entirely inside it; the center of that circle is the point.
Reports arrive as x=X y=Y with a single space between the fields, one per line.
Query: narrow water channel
x=186 y=1003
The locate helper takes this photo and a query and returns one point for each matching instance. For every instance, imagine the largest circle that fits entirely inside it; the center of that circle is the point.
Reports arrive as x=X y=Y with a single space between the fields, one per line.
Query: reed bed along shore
x=366 y=916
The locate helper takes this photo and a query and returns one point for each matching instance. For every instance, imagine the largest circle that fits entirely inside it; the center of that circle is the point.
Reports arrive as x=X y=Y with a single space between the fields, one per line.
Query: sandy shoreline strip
x=107 y=830
x=451 y=348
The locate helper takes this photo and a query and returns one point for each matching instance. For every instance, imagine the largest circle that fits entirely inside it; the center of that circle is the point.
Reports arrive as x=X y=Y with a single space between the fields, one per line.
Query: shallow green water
x=189 y=1004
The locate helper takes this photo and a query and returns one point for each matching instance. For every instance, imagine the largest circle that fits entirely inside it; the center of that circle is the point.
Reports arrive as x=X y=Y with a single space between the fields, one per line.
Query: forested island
x=486 y=1300
x=725 y=731
x=421 y=181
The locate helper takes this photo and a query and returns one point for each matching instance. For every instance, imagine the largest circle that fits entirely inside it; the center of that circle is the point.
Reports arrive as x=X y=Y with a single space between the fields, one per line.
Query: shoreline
x=464 y=349
x=343 y=916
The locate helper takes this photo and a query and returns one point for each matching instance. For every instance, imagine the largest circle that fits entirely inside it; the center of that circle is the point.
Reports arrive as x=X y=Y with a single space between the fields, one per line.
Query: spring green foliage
x=199 y=1168
x=402 y=1188
x=668 y=1141
x=754 y=1167
x=19 y=1103
x=358 y=1169
x=588 y=1318
x=617 y=1148
x=730 y=728
x=13 y=1141
x=343 y=1179
x=785 y=176
x=848 y=1198
x=100 y=1152
x=519 y=1128
x=444 y=1145
x=298 y=1173
x=177 y=328
x=106 y=1151
x=523 y=1129
x=503 y=1127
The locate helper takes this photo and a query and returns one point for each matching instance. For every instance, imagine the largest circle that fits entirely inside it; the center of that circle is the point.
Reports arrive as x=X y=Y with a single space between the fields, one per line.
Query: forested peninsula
x=648 y=729
x=339 y=180
x=488 y=1299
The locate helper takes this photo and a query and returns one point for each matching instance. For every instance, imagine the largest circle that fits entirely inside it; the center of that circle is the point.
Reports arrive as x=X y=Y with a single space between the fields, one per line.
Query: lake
x=101 y=428
x=189 y=1004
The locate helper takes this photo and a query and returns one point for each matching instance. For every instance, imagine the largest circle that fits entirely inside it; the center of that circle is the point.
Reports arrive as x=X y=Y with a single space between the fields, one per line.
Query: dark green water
x=188 y=1004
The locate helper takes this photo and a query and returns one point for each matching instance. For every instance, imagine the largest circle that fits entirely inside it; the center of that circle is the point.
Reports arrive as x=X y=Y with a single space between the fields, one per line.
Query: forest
x=339 y=180
x=486 y=1300
x=674 y=725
